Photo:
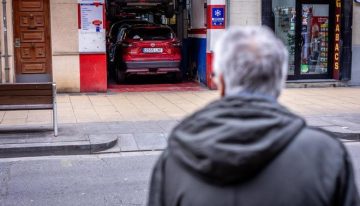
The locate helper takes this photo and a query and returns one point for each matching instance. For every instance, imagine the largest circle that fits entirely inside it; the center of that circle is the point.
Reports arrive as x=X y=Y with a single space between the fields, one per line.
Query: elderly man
x=247 y=149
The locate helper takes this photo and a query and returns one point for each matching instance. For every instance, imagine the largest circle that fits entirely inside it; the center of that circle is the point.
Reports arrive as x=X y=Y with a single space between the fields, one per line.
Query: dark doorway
x=306 y=28
x=314 y=34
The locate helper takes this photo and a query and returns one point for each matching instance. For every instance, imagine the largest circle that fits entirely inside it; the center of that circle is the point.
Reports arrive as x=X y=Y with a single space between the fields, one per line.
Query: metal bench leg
x=55 y=119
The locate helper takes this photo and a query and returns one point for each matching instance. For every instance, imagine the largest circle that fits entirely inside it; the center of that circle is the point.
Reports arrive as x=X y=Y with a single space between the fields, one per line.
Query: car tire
x=177 y=76
x=120 y=76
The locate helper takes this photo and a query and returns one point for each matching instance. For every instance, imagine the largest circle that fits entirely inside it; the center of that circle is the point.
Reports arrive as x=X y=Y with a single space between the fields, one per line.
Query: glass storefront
x=315 y=39
x=285 y=24
x=304 y=28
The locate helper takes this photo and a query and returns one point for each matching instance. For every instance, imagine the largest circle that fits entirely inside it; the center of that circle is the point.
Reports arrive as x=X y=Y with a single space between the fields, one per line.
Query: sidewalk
x=123 y=122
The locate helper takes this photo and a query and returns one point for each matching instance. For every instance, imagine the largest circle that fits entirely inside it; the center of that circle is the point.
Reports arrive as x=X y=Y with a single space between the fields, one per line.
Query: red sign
x=97 y=22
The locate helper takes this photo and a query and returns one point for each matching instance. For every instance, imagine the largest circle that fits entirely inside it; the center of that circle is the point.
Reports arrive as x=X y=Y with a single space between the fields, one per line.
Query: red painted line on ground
x=190 y=86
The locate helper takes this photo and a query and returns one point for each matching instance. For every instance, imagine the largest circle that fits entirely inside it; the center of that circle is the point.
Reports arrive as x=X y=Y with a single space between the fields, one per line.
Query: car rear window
x=150 y=34
x=115 y=28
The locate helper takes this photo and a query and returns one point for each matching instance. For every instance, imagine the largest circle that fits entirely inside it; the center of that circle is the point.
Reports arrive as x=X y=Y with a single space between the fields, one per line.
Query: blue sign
x=218 y=17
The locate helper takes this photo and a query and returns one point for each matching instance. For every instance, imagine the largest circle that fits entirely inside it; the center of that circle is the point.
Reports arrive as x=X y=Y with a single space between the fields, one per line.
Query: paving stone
x=148 y=127
x=317 y=122
x=150 y=141
x=352 y=124
x=167 y=135
x=168 y=125
x=12 y=139
x=157 y=153
x=93 y=128
x=343 y=132
x=127 y=143
x=148 y=130
x=121 y=127
x=79 y=137
x=344 y=123
x=131 y=154
x=353 y=118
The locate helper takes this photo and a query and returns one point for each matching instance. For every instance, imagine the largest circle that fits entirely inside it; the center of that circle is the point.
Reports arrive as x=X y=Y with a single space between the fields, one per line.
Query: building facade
x=41 y=39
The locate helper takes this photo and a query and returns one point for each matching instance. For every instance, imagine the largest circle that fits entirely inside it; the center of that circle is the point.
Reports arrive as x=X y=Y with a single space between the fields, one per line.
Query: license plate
x=152 y=50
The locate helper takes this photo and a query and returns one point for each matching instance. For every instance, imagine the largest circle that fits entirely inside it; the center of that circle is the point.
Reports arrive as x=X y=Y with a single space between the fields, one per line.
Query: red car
x=148 y=49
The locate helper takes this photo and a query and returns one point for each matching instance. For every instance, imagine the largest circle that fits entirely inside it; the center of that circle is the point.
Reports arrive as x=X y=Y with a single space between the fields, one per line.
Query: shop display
x=314 y=53
x=285 y=21
x=311 y=21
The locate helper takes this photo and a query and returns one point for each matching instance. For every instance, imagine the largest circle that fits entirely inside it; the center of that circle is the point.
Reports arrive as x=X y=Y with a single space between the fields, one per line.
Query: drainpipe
x=6 y=47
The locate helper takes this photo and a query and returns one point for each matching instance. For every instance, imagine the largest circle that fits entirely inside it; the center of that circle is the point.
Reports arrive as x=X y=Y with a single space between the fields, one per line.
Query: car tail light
x=176 y=44
x=126 y=45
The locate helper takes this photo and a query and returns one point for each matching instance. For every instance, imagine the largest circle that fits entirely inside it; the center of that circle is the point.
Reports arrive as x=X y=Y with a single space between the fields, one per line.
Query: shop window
x=314 y=38
x=285 y=25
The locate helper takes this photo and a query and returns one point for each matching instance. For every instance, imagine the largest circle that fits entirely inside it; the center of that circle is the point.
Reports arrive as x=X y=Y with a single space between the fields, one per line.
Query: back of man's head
x=250 y=59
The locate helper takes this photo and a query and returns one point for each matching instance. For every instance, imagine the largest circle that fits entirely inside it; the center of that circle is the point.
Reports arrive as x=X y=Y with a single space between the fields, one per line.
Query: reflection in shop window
x=314 y=37
x=285 y=24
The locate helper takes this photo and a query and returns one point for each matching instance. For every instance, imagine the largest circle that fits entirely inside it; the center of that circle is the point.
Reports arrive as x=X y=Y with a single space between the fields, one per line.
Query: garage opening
x=149 y=46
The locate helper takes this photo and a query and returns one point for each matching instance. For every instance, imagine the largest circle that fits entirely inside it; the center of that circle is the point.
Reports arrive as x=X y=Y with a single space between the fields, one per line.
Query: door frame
x=47 y=77
x=268 y=19
x=298 y=39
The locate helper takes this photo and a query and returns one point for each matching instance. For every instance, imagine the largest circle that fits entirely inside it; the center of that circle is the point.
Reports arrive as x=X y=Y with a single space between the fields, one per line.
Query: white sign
x=92 y=19
x=91 y=31
x=92 y=43
x=91 y=1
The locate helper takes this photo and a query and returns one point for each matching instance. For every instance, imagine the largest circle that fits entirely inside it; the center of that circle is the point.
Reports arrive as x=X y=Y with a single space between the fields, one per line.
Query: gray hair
x=251 y=59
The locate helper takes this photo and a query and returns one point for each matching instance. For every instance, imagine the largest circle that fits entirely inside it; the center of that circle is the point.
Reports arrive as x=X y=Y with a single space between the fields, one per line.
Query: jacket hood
x=232 y=139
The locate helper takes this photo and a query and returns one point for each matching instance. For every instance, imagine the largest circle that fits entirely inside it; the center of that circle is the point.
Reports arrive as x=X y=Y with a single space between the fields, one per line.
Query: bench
x=30 y=96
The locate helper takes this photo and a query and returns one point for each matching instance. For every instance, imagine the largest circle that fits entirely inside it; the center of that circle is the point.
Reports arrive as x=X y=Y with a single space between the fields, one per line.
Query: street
x=76 y=180
x=111 y=179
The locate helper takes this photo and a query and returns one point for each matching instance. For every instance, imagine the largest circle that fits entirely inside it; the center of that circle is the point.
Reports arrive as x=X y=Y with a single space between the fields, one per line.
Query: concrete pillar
x=355 y=74
x=65 y=45
x=216 y=24
x=244 y=12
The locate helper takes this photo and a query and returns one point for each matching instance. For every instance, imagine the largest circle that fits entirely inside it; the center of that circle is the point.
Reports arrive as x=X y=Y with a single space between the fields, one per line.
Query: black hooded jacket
x=248 y=150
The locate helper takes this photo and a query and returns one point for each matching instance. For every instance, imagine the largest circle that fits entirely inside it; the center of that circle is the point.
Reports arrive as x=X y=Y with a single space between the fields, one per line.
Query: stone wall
x=65 y=44
x=245 y=12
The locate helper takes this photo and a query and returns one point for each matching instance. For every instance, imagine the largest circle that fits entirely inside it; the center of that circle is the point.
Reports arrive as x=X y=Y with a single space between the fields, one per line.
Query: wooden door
x=32 y=40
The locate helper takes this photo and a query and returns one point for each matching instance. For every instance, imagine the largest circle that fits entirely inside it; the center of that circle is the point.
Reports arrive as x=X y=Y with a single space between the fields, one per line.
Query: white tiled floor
x=175 y=105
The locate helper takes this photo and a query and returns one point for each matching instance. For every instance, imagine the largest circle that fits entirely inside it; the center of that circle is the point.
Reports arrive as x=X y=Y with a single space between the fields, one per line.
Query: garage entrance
x=147 y=46
x=146 y=42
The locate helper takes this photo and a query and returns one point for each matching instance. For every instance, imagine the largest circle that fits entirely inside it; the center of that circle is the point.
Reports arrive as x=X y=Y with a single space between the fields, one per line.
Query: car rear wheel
x=177 y=76
x=120 y=76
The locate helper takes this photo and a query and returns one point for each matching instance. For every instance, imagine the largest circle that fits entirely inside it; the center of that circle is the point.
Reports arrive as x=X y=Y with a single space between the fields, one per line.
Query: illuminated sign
x=337 y=39
x=218 y=17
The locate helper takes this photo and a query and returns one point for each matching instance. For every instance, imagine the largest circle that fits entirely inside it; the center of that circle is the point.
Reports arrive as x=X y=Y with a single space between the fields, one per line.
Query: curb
x=347 y=136
x=342 y=133
x=95 y=144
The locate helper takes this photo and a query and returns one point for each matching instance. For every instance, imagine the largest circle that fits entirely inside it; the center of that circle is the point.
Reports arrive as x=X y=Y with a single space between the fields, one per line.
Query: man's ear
x=222 y=86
